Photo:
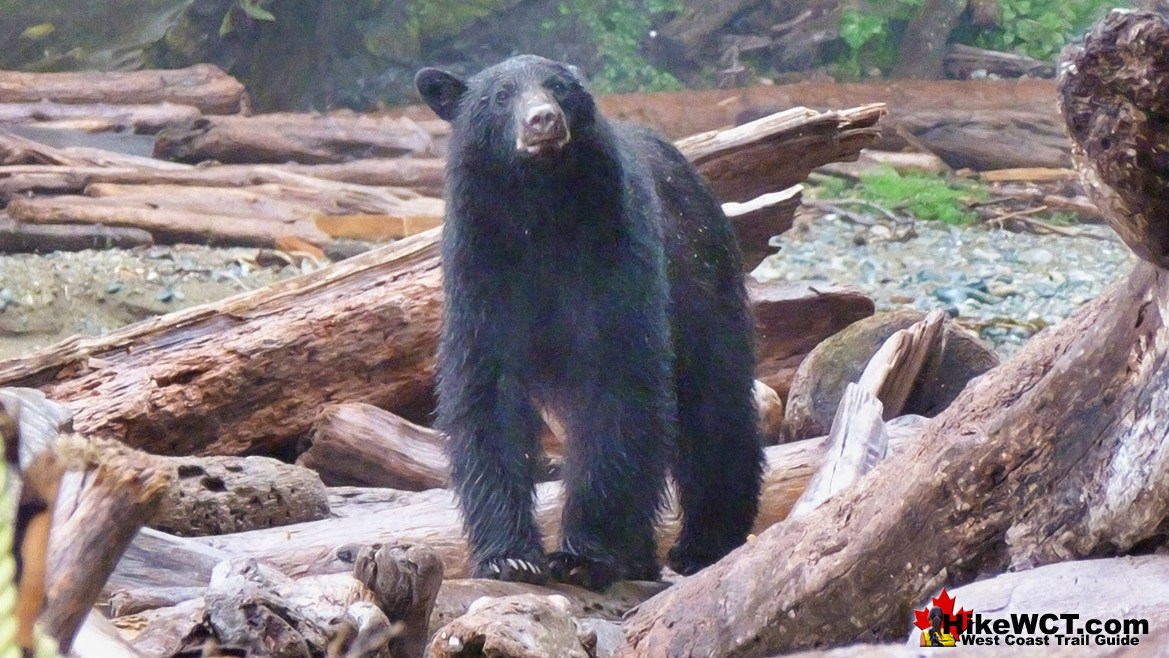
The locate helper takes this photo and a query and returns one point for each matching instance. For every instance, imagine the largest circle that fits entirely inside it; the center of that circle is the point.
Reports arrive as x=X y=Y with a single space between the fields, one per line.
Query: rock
x=821 y=378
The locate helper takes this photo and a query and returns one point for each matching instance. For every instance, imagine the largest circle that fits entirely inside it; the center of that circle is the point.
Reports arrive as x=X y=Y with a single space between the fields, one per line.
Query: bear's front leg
x=493 y=432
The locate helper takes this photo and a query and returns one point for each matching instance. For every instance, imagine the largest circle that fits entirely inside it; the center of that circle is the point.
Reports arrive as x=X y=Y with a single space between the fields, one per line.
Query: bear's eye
x=502 y=96
x=557 y=86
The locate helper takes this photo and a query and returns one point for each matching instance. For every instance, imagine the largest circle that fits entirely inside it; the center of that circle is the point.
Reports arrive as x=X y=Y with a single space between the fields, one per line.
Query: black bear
x=588 y=270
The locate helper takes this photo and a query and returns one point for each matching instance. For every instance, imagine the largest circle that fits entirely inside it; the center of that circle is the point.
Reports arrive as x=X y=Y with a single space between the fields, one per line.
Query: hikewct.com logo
x=942 y=627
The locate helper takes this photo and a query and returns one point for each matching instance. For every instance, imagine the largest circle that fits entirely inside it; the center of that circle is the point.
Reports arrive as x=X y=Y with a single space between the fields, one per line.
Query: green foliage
x=926 y=197
x=617 y=27
x=871 y=37
x=1041 y=28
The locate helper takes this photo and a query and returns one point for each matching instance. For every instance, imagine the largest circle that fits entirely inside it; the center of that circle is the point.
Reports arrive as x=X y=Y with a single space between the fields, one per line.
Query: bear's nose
x=543 y=118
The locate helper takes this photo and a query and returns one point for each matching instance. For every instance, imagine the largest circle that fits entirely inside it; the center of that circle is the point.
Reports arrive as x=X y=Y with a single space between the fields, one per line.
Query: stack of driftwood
x=1056 y=455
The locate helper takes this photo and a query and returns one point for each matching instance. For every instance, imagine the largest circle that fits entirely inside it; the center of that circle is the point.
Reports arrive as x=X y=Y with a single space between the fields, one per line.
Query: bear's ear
x=440 y=90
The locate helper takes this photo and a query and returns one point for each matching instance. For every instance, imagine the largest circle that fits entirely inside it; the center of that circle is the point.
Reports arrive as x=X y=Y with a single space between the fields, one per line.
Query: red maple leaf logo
x=946 y=603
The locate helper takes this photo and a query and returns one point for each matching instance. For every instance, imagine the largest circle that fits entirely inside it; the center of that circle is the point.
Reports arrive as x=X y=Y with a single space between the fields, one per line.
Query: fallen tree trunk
x=16 y=237
x=430 y=519
x=424 y=175
x=1027 y=434
x=203 y=86
x=101 y=117
x=230 y=377
x=1056 y=454
x=305 y=138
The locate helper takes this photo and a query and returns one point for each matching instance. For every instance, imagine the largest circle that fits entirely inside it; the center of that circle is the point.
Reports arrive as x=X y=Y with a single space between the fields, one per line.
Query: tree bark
x=923 y=47
x=1114 y=93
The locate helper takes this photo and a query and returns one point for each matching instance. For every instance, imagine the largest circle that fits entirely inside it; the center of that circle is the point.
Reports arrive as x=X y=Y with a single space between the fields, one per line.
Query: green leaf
x=253 y=9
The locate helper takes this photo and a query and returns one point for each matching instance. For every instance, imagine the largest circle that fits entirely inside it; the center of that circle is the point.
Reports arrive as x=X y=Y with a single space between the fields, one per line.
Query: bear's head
x=526 y=106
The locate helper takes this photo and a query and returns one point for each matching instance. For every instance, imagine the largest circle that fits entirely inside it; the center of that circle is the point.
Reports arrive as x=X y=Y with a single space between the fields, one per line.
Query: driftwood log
x=99 y=117
x=305 y=138
x=1056 y=454
x=202 y=86
x=230 y=377
x=98 y=513
x=428 y=519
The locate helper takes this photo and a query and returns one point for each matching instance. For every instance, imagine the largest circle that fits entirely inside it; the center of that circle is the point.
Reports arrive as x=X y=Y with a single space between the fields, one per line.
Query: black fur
x=599 y=278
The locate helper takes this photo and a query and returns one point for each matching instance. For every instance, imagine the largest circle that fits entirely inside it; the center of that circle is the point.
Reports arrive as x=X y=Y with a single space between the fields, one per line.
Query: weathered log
x=203 y=86
x=424 y=175
x=17 y=237
x=93 y=524
x=1030 y=465
x=356 y=501
x=1113 y=92
x=983 y=139
x=358 y=444
x=405 y=582
x=305 y=138
x=218 y=495
x=963 y=61
x=777 y=151
x=104 y=117
x=514 y=627
x=98 y=638
x=431 y=520
x=839 y=359
x=259 y=215
x=760 y=219
x=791 y=319
x=229 y=377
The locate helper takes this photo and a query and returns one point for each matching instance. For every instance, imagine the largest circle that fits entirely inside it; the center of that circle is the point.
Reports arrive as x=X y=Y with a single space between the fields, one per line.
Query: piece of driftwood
x=431 y=520
x=777 y=151
x=98 y=513
x=758 y=220
x=523 y=626
x=99 y=638
x=230 y=377
x=964 y=61
x=357 y=444
x=131 y=601
x=258 y=215
x=792 y=318
x=841 y=358
x=858 y=439
x=990 y=479
x=218 y=495
x=405 y=582
x=982 y=139
x=1113 y=90
x=305 y=138
x=140 y=119
x=356 y=501
x=203 y=86
x=424 y=175
x=18 y=237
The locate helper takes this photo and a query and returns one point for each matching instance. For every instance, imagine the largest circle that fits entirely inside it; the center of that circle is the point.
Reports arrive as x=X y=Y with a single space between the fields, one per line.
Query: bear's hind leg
x=719 y=462
x=614 y=478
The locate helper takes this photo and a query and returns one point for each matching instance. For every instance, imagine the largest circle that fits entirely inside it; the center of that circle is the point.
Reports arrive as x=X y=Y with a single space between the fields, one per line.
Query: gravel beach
x=1003 y=285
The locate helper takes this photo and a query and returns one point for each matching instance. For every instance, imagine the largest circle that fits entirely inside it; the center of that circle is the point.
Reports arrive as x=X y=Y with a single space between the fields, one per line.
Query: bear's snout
x=542 y=125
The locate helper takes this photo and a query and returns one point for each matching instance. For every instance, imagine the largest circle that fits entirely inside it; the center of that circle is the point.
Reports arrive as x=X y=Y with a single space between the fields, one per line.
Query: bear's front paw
x=521 y=569
x=582 y=571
